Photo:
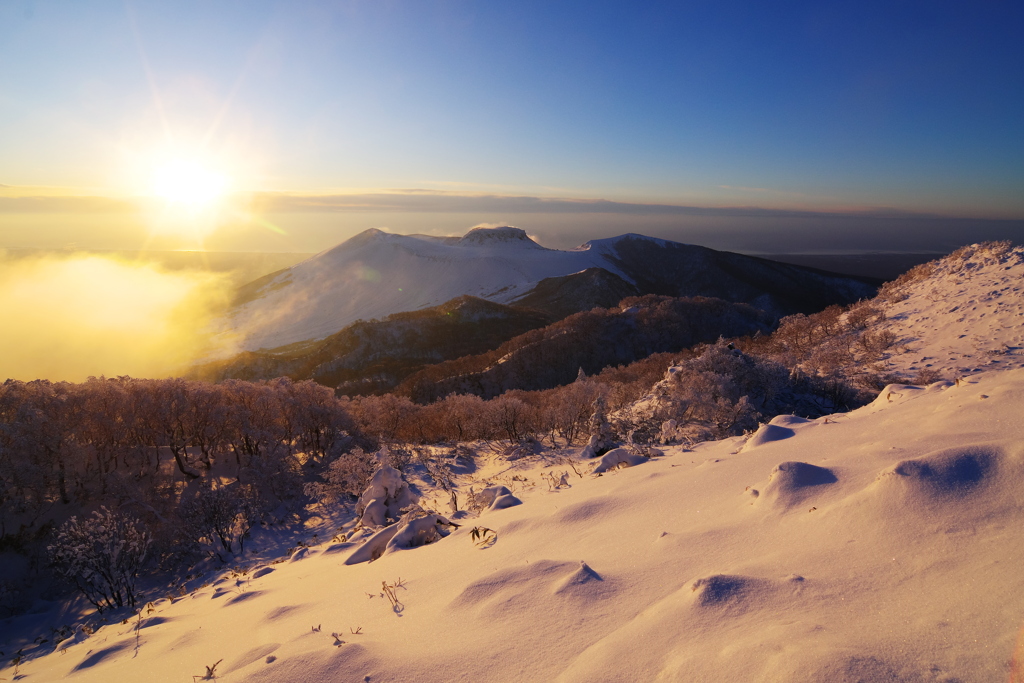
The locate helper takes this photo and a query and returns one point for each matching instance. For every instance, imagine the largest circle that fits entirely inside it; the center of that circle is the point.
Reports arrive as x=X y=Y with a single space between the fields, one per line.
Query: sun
x=189 y=185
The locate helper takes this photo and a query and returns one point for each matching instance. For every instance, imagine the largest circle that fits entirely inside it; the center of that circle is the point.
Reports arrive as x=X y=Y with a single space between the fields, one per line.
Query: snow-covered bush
x=601 y=439
x=102 y=556
x=617 y=457
x=491 y=498
x=386 y=496
x=415 y=528
x=719 y=393
x=223 y=517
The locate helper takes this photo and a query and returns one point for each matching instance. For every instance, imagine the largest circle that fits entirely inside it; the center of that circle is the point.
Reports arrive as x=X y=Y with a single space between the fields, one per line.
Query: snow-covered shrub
x=926 y=376
x=572 y=406
x=414 y=528
x=491 y=498
x=601 y=437
x=386 y=496
x=522 y=449
x=348 y=475
x=618 y=457
x=102 y=556
x=720 y=393
x=514 y=418
x=461 y=417
x=222 y=516
x=875 y=344
x=862 y=315
x=381 y=416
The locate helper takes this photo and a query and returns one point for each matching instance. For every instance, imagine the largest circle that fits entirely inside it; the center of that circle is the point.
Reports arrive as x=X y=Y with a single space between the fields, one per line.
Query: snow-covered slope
x=881 y=545
x=375 y=274
x=958 y=315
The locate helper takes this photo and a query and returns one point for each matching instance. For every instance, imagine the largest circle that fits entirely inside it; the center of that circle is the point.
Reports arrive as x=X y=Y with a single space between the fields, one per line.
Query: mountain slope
x=589 y=340
x=958 y=315
x=375 y=274
x=370 y=356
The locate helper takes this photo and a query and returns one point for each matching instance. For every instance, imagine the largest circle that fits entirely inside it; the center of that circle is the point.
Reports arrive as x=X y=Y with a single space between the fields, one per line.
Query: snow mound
x=792 y=483
x=586 y=512
x=722 y=589
x=954 y=472
x=536 y=583
x=254 y=655
x=767 y=434
x=579 y=582
x=617 y=457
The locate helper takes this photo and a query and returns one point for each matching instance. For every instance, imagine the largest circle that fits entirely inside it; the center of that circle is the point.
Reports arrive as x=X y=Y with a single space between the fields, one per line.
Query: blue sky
x=797 y=106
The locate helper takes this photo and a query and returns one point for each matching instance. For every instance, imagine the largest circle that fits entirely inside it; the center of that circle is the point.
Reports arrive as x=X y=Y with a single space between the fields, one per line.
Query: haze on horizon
x=272 y=126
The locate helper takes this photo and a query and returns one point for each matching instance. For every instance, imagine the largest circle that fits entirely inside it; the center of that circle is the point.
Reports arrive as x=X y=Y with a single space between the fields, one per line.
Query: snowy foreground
x=885 y=544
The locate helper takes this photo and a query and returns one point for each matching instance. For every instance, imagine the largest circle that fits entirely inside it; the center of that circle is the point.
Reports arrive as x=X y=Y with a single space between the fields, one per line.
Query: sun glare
x=189 y=185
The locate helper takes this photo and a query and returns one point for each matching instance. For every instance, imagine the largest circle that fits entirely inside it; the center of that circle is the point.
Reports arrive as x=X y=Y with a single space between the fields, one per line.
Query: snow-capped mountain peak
x=502 y=235
x=376 y=273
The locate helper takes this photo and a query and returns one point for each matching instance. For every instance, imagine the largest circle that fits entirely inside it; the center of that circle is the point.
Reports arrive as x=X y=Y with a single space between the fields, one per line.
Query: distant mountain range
x=376 y=274
x=444 y=299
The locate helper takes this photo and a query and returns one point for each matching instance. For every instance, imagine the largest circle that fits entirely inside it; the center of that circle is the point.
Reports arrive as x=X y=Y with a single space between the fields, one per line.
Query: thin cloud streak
x=429 y=201
x=436 y=201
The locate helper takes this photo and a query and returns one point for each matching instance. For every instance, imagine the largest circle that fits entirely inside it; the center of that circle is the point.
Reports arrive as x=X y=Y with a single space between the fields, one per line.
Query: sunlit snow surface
x=966 y=316
x=883 y=544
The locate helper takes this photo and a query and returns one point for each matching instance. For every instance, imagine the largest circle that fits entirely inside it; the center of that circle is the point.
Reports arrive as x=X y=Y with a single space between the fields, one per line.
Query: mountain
x=582 y=291
x=590 y=340
x=375 y=274
x=367 y=357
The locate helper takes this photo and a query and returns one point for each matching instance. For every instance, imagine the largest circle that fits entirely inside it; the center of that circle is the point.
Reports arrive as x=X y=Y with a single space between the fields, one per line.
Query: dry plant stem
x=211 y=673
x=389 y=593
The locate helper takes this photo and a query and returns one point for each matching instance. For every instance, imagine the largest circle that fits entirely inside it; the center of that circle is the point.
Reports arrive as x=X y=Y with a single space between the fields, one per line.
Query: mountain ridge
x=376 y=273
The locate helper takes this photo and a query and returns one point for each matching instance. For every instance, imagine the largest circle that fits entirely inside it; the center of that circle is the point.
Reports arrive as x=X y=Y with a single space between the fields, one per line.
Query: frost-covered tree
x=348 y=475
x=223 y=517
x=102 y=555
x=573 y=406
x=513 y=416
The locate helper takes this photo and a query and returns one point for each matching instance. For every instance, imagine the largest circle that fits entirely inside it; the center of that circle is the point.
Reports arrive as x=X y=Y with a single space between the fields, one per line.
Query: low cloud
x=434 y=201
x=65 y=204
x=66 y=318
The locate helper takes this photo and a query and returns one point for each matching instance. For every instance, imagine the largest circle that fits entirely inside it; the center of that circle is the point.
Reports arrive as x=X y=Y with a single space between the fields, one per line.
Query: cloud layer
x=71 y=317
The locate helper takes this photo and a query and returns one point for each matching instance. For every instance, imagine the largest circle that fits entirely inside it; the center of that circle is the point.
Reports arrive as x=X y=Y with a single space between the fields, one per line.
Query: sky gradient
x=733 y=124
